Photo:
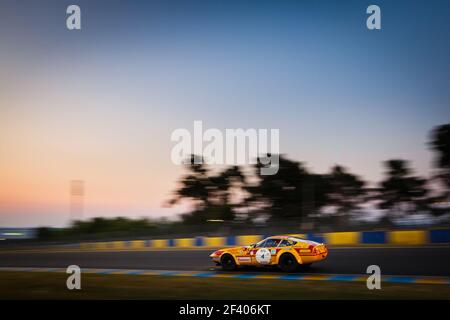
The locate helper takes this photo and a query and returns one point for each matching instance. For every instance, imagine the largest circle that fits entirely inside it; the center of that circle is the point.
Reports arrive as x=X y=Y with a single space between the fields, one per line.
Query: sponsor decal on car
x=263 y=256
x=244 y=259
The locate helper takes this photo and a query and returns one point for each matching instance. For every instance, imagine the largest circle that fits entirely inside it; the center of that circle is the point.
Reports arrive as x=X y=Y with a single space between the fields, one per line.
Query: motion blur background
x=86 y=117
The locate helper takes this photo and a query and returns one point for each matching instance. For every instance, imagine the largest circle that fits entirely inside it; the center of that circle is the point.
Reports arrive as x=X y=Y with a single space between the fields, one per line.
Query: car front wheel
x=227 y=262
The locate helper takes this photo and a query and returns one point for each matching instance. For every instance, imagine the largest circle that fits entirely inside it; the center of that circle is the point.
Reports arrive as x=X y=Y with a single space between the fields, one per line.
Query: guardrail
x=410 y=237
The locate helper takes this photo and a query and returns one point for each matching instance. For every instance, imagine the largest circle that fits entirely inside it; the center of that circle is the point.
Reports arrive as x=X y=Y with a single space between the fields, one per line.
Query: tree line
x=293 y=193
x=296 y=192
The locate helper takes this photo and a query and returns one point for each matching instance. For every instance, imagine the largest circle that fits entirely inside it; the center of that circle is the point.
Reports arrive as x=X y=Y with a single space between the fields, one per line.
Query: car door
x=243 y=255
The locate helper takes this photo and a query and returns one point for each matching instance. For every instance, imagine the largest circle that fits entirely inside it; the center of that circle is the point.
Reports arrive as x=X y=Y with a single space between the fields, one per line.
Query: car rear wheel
x=227 y=262
x=288 y=263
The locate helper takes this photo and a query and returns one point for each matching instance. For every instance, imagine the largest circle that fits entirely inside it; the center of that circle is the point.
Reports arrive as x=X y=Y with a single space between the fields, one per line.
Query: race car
x=286 y=252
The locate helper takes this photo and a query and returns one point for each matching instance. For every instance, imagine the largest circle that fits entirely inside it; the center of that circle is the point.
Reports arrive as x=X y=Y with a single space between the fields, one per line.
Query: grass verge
x=47 y=285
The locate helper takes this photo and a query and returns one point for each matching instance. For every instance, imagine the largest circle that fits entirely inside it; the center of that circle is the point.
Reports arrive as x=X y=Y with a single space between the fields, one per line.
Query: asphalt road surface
x=421 y=261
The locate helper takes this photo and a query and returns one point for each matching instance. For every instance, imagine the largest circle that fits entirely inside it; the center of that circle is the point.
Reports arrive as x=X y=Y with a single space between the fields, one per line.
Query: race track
x=419 y=261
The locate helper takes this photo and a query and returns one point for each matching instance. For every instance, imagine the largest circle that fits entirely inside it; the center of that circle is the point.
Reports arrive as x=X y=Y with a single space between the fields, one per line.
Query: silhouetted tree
x=291 y=193
x=224 y=186
x=345 y=190
x=195 y=185
x=401 y=192
x=440 y=143
x=211 y=194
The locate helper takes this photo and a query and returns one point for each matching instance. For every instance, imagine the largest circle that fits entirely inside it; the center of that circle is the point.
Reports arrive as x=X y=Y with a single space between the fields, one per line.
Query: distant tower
x=76 y=199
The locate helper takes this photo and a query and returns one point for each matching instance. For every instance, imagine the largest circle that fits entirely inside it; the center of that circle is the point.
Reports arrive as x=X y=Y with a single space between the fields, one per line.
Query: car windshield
x=260 y=244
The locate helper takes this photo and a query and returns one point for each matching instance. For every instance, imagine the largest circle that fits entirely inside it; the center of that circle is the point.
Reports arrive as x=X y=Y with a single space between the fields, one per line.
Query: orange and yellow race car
x=286 y=252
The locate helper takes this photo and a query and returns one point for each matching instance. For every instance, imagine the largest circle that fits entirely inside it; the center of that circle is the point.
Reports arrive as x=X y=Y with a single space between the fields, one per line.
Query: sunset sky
x=100 y=104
